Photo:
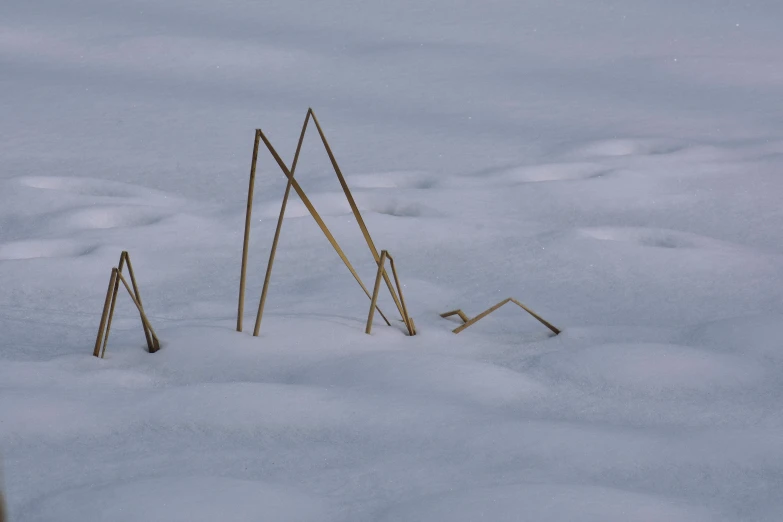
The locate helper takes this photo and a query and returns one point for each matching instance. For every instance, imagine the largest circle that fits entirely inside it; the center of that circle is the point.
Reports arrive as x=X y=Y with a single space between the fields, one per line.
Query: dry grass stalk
x=321 y=224
x=376 y=290
x=317 y=218
x=109 y=300
x=460 y=313
x=278 y=229
x=153 y=344
x=355 y=209
x=137 y=294
x=405 y=317
x=145 y=322
x=246 y=242
x=470 y=322
x=125 y=259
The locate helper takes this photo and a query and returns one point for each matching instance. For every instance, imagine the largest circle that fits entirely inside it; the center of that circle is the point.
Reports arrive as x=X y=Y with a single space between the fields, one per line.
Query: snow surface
x=615 y=165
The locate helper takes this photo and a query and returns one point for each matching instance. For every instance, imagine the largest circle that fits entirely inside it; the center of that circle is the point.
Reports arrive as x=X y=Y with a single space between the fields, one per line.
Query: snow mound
x=181 y=499
x=534 y=502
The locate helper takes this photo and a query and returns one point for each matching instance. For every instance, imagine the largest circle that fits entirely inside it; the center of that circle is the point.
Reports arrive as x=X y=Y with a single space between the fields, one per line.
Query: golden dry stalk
x=153 y=344
x=293 y=183
x=376 y=290
x=470 y=322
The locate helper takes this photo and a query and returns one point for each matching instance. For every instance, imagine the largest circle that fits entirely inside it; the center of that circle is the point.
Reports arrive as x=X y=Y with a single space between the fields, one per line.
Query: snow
x=613 y=165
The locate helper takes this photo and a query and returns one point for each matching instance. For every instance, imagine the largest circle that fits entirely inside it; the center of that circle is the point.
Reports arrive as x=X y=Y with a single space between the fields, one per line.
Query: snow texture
x=615 y=165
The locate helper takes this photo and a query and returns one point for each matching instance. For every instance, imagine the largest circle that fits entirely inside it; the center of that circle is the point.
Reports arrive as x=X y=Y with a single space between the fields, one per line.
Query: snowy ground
x=614 y=165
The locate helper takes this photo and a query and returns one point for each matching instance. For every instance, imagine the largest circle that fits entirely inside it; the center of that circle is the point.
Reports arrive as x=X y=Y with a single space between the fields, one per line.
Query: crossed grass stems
x=153 y=343
x=398 y=298
x=293 y=183
x=468 y=322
